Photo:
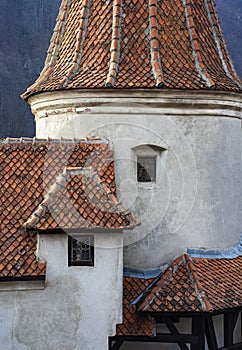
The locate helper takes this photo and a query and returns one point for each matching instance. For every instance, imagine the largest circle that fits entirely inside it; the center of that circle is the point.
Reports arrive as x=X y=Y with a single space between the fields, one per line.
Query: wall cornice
x=133 y=101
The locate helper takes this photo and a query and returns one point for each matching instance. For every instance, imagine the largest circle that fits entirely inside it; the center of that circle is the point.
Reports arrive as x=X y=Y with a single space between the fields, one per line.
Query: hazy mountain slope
x=230 y=13
x=25 y=30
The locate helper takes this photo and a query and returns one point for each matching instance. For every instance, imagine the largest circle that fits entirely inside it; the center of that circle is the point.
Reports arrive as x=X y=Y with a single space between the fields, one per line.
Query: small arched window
x=146 y=158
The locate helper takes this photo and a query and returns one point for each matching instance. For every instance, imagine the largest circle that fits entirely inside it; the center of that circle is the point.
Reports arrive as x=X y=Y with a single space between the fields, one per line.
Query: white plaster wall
x=78 y=309
x=196 y=201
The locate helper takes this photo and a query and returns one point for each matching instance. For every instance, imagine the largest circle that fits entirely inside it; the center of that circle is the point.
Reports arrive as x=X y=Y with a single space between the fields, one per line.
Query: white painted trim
x=150 y=102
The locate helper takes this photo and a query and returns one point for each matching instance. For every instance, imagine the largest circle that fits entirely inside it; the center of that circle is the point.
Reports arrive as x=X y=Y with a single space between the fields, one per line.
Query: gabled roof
x=32 y=194
x=193 y=285
x=80 y=198
x=137 y=43
x=177 y=290
x=188 y=285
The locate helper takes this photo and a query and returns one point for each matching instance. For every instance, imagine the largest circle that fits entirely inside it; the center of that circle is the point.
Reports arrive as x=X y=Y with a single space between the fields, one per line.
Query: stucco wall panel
x=196 y=202
x=66 y=314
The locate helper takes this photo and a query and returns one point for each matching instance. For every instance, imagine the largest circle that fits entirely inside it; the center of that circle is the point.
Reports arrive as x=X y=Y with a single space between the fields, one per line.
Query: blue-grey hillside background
x=25 y=30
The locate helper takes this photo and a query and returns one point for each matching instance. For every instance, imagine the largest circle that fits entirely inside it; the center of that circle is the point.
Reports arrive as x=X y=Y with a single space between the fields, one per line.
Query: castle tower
x=120 y=221
x=156 y=79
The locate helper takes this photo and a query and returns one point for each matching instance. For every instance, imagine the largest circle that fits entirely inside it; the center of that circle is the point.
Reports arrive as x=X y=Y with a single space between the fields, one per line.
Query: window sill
x=148 y=185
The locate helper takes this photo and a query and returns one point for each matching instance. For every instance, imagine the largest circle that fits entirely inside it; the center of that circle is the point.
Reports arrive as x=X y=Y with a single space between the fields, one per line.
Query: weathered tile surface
x=190 y=285
x=32 y=196
x=137 y=43
x=134 y=323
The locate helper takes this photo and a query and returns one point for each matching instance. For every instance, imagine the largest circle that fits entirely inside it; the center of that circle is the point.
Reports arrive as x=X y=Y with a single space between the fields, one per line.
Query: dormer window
x=81 y=251
x=146 y=169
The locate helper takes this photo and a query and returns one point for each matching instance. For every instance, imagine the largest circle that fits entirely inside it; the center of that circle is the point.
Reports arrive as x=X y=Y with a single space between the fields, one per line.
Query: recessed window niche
x=147 y=160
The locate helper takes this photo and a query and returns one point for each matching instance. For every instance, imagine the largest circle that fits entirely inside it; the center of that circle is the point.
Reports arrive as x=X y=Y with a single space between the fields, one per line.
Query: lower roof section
x=188 y=285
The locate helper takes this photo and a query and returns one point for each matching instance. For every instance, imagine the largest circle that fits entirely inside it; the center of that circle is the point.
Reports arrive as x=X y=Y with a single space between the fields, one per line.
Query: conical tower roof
x=174 y=44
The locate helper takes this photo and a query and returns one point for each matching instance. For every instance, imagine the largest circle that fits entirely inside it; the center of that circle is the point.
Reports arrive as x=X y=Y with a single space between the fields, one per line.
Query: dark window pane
x=146 y=169
x=81 y=251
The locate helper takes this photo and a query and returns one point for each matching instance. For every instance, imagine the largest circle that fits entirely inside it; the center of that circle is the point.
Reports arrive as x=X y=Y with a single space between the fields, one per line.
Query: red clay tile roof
x=190 y=285
x=134 y=323
x=221 y=280
x=137 y=43
x=30 y=174
x=81 y=198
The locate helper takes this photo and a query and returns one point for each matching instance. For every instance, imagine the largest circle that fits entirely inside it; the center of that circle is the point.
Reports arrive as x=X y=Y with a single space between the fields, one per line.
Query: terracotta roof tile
x=137 y=43
x=134 y=323
x=190 y=285
x=174 y=291
x=80 y=198
x=221 y=280
x=30 y=171
x=115 y=45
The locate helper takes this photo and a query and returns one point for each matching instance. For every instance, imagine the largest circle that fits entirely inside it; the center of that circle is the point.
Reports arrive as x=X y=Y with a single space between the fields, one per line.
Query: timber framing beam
x=172 y=328
x=202 y=328
x=210 y=334
x=198 y=329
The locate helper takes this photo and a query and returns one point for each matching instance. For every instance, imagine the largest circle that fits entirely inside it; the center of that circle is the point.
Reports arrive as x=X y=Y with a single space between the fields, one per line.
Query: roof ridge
x=80 y=39
x=222 y=37
x=46 y=202
x=115 y=44
x=171 y=44
x=59 y=184
x=155 y=44
x=204 y=301
x=92 y=140
x=146 y=302
x=202 y=70
x=214 y=21
x=53 y=50
x=50 y=195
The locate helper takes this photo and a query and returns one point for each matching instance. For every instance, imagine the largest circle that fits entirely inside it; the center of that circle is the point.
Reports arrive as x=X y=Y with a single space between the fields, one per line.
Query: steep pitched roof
x=187 y=285
x=31 y=195
x=137 y=43
x=80 y=198
x=177 y=290
x=190 y=285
